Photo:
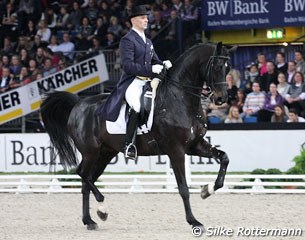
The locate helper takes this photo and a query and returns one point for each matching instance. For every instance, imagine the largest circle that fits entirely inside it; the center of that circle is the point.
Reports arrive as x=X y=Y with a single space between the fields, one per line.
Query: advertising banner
x=247 y=150
x=24 y=100
x=241 y=14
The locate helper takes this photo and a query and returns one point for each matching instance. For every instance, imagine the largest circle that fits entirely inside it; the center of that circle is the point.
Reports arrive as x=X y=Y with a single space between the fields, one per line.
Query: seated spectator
x=240 y=100
x=96 y=45
x=66 y=47
x=8 y=48
x=44 y=32
x=281 y=65
x=84 y=32
x=279 y=115
x=48 y=68
x=300 y=63
x=49 y=17
x=106 y=11
x=111 y=41
x=236 y=77
x=22 y=44
x=48 y=53
x=272 y=99
x=156 y=25
x=231 y=89
x=189 y=12
x=296 y=94
x=75 y=17
x=21 y=79
x=252 y=76
x=26 y=10
x=233 y=116
x=53 y=43
x=165 y=11
x=5 y=61
x=262 y=63
x=5 y=80
x=15 y=66
x=37 y=44
x=91 y=12
x=39 y=57
x=283 y=87
x=10 y=21
x=33 y=69
x=30 y=31
x=62 y=19
x=114 y=26
x=254 y=101
x=293 y=116
x=291 y=71
x=24 y=57
x=219 y=111
x=269 y=77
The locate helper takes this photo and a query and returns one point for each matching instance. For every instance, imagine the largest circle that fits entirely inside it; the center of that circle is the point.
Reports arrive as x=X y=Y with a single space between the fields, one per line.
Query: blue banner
x=241 y=14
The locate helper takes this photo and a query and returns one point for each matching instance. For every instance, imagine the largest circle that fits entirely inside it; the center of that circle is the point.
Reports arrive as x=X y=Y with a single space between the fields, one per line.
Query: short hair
x=281 y=53
x=293 y=110
x=299 y=51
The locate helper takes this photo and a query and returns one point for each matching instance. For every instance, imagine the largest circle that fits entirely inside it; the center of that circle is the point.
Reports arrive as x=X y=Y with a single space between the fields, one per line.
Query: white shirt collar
x=141 y=34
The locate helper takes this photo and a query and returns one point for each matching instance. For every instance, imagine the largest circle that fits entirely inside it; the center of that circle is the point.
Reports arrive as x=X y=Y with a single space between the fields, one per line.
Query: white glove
x=167 y=64
x=157 y=68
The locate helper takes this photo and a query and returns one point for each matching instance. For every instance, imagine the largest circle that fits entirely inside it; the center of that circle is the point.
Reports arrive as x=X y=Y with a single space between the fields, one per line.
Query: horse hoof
x=92 y=226
x=198 y=230
x=206 y=191
x=102 y=215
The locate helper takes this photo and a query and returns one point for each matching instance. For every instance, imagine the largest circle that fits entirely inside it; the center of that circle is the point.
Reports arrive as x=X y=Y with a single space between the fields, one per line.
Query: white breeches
x=133 y=94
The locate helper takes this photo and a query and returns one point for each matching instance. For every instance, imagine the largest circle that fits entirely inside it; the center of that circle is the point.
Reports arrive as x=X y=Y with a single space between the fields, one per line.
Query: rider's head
x=138 y=17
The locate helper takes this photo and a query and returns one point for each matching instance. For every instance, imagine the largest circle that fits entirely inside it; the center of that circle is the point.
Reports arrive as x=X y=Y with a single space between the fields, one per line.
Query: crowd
x=272 y=91
x=40 y=37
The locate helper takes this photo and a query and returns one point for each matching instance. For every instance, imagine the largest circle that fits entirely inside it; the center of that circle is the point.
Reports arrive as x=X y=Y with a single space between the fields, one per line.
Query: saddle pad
x=119 y=126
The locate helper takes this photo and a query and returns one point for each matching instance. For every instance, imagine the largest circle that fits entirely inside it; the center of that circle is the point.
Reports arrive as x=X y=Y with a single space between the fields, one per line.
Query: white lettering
x=250 y=8
x=217 y=8
x=294 y=5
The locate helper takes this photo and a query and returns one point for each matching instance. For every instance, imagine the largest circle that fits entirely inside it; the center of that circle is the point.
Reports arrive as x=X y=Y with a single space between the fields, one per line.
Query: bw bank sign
x=239 y=14
x=26 y=99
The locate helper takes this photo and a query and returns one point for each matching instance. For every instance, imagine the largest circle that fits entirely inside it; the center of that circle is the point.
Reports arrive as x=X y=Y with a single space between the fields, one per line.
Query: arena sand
x=145 y=216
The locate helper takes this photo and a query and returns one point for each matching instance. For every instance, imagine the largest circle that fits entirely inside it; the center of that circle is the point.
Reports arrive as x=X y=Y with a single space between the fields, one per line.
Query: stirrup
x=130 y=151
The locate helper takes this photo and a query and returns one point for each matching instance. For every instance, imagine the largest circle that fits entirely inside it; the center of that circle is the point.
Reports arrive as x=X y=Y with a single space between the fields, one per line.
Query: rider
x=139 y=62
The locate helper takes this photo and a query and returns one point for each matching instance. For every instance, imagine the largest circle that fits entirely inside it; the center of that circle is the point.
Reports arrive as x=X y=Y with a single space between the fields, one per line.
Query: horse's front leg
x=178 y=165
x=204 y=149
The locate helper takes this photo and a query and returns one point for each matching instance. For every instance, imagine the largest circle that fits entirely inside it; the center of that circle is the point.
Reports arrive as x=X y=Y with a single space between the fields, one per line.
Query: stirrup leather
x=130 y=149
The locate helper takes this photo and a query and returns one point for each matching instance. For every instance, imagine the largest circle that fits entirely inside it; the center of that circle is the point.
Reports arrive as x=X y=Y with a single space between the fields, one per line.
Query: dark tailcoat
x=137 y=58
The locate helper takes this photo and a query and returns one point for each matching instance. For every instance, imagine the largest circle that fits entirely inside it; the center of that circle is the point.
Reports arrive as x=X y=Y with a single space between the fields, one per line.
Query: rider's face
x=140 y=22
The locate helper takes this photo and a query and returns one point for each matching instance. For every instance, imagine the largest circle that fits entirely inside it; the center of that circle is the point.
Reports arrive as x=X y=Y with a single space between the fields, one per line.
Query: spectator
x=236 y=77
x=279 y=115
x=75 y=17
x=39 y=57
x=107 y=12
x=281 y=65
x=269 y=77
x=5 y=61
x=50 y=18
x=53 y=43
x=219 y=111
x=15 y=66
x=84 y=32
x=273 y=99
x=48 y=68
x=8 y=47
x=5 y=80
x=254 y=101
x=25 y=11
x=240 y=100
x=166 y=11
x=96 y=45
x=296 y=94
x=114 y=26
x=156 y=25
x=100 y=30
x=37 y=44
x=44 y=32
x=177 y=6
x=252 y=76
x=21 y=79
x=33 y=69
x=293 y=116
x=29 y=31
x=300 y=63
x=62 y=19
x=262 y=64
x=189 y=12
x=66 y=47
x=111 y=41
x=283 y=87
x=10 y=22
x=233 y=116
x=22 y=44
x=291 y=71
x=91 y=12
x=231 y=89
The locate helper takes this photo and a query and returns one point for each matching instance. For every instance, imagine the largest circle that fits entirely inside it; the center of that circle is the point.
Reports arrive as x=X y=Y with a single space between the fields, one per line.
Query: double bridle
x=209 y=84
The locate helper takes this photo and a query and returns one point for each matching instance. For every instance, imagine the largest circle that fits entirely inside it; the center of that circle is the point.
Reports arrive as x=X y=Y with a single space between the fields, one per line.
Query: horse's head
x=214 y=74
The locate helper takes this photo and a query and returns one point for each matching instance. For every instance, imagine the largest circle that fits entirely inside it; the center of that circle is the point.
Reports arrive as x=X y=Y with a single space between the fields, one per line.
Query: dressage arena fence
x=151 y=183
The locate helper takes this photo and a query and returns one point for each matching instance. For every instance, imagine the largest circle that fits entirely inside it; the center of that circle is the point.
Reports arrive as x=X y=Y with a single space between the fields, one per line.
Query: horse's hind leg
x=178 y=163
x=204 y=149
x=90 y=169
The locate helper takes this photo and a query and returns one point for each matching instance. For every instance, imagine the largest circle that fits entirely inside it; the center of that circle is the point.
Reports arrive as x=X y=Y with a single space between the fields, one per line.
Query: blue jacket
x=137 y=58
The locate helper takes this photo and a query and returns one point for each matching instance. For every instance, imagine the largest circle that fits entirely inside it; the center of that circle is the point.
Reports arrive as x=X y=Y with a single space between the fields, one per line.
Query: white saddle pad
x=119 y=126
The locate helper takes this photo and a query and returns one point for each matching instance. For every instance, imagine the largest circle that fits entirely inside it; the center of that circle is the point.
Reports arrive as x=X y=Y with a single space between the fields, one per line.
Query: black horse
x=178 y=127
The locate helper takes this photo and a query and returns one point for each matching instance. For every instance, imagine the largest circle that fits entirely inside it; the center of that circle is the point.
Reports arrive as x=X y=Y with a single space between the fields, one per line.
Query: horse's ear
x=219 y=48
x=233 y=48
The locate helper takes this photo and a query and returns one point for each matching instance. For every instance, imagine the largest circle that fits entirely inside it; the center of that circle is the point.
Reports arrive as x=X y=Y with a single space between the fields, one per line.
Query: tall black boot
x=132 y=124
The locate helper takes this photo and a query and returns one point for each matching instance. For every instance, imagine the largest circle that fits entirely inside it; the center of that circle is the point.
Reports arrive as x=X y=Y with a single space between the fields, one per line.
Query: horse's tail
x=55 y=112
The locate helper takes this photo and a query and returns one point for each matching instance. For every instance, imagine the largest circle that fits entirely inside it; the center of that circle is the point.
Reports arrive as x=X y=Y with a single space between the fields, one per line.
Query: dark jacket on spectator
x=266 y=79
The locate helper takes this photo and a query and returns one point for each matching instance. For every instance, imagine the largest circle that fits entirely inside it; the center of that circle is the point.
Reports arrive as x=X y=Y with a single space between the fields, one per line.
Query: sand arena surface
x=145 y=216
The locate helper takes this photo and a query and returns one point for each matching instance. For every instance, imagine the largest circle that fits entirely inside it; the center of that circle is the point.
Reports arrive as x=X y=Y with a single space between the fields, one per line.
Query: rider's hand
x=157 y=68
x=167 y=64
